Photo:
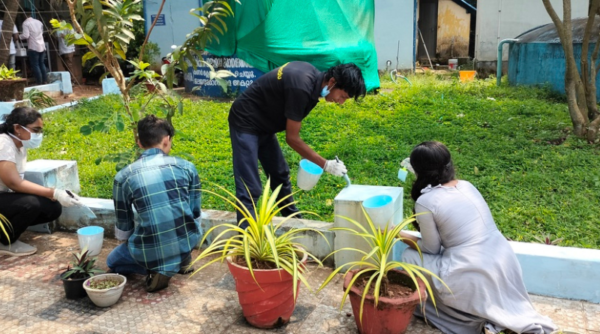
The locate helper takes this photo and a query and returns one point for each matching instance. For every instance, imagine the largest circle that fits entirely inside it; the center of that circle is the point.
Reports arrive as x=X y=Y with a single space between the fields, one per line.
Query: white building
x=502 y=19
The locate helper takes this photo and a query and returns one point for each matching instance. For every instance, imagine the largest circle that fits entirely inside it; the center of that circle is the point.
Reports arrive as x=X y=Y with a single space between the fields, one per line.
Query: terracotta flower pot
x=272 y=303
x=12 y=89
x=392 y=315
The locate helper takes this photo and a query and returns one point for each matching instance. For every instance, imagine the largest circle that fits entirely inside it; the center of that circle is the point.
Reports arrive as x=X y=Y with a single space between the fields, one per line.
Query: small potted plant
x=106 y=289
x=383 y=297
x=82 y=268
x=11 y=86
x=267 y=264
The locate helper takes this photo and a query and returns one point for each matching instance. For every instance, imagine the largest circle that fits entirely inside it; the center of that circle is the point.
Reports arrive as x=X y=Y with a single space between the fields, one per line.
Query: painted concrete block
x=64 y=80
x=563 y=272
x=109 y=86
x=73 y=218
x=60 y=174
x=52 y=89
x=7 y=107
x=348 y=203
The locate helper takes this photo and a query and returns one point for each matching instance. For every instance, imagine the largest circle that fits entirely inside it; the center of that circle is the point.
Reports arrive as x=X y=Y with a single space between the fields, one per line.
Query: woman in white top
x=22 y=202
x=462 y=245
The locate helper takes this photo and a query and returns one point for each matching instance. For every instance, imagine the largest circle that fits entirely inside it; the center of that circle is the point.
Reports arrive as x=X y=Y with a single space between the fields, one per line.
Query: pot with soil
x=11 y=86
x=267 y=264
x=106 y=289
x=395 y=307
x=268 y=299
x=77 y=272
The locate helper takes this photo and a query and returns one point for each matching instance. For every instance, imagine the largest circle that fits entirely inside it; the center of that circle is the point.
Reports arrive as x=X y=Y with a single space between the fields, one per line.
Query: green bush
x=503 y=140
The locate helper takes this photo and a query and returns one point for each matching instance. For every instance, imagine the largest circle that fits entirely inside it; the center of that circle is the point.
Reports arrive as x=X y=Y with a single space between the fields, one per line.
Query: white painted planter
x=106 y=297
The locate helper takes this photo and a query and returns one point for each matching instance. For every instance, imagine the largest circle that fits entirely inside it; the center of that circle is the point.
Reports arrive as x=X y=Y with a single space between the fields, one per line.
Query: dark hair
x=432 y=163
x=152 y=130
x=348 y=77
x=22 y=116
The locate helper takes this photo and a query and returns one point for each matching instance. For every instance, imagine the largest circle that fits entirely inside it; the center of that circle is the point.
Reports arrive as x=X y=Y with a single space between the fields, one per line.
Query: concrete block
x=7 y=107
x=562 y=272
x=109 y=86
x=73 y=218
x=64 y=79
x=318 y=244
x=54 y=174
x=54 y=89
x=348 y=203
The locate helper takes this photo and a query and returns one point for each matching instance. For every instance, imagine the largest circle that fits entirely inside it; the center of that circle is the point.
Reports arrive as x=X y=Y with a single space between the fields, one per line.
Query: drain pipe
x=499 y=60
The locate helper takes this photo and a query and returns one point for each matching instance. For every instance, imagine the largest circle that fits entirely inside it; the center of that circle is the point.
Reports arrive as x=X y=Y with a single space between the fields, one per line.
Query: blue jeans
x=38 y=65
x=121 y=262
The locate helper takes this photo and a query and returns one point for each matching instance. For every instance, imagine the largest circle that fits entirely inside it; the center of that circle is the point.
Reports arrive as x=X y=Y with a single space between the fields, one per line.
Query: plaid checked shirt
x=166 y=194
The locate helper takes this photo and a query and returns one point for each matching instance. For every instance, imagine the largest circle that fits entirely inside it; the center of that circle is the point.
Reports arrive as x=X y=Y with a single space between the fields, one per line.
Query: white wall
x=501 y=19
x=178 y=22
x=395 y=21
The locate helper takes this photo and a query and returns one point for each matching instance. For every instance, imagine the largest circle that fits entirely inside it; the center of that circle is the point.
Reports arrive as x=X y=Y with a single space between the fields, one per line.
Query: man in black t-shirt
x=279 y=101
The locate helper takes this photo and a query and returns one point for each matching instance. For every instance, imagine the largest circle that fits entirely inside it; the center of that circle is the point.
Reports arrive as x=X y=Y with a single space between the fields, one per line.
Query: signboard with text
x=244 y=77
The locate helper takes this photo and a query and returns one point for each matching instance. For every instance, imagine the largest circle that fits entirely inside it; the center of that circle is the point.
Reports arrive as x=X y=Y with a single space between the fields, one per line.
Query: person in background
x=66 y=51
x=461 y=244
x=22 y=202
x=279 y=101
x=165 y=192
x=33 y=31
x=13 y=50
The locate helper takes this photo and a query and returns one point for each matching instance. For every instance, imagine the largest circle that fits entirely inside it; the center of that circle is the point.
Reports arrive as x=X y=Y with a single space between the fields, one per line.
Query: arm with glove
x=292 y=136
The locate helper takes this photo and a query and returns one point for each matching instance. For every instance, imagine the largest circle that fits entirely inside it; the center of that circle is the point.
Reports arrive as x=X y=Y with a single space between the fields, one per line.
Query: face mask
x=326 y=91
x=34 y=142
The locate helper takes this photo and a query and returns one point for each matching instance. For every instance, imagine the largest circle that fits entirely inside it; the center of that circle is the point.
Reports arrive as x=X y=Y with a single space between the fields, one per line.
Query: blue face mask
x=326 y=91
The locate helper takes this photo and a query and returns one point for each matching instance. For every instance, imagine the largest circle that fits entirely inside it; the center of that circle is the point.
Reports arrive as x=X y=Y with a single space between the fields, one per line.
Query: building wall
x=501 y=19
x=454 y=24
x=176 y=22
x=395 y=22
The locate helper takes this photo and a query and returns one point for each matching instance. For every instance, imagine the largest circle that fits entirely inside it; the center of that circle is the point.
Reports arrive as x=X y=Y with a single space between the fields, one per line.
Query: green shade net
x=267 y=34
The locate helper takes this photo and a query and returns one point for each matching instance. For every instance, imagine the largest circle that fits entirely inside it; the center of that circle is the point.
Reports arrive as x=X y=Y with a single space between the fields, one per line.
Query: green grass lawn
x=502 y=140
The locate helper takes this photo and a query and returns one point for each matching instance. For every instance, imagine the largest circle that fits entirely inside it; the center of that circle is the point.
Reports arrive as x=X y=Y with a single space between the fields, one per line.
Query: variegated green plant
x=260 y=241
x=4 y=224
x=376 y=263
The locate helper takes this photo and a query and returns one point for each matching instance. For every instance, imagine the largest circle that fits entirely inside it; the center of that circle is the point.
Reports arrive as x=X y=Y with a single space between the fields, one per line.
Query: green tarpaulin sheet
x=267 y=34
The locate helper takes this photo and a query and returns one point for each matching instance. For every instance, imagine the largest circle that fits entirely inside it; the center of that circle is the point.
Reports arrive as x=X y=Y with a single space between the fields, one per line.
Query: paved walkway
x=32 y=301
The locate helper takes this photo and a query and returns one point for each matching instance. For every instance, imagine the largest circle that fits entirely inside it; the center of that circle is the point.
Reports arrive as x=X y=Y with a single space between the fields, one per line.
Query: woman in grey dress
x=462 y=245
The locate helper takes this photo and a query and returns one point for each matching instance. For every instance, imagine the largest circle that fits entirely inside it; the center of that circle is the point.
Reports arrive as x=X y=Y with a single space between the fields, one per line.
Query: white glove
x=65 y=199
x=335 y=167
x=406 y=164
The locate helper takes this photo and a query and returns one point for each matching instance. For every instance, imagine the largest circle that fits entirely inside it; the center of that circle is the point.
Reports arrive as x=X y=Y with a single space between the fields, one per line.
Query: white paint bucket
x=308 y=174
x=452 y=64
x=380 y=209
x=92 y=238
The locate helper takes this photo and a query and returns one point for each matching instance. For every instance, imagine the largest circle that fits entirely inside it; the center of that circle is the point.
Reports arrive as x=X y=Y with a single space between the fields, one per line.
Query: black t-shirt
x=287 y=92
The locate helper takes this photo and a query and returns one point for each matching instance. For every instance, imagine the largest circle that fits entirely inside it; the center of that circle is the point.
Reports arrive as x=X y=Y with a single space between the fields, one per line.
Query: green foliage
x=38 y=99
x=548 y=240
x=259 y=243
x=375 y=263
x=7 y=73
x=4 y=224
x=502 y=139
x=103 y=283
x=81 y=267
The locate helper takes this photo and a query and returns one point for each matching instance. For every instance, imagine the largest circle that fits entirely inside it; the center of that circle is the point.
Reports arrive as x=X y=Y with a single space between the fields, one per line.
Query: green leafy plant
x=4 y=224
x=103 y=284
x=375 y=263
x=82 y=266
x=152 y=53
x=39 y=99
x=260 y=246
x=8 y=73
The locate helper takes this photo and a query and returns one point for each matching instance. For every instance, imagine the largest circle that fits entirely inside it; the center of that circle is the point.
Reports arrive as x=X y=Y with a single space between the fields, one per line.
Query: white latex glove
x=336 y=168
x=406 y=164
x=65 y=199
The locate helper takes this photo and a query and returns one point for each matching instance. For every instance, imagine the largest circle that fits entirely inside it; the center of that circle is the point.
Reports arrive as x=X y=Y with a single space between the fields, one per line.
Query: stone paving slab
x=32 y=301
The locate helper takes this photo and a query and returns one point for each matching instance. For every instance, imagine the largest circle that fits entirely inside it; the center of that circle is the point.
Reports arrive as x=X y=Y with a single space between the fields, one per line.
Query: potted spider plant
x=383 y=297
x=11 y=86
x=4 y=224
x=267 y=264
x=82 y=268
x=106 y=289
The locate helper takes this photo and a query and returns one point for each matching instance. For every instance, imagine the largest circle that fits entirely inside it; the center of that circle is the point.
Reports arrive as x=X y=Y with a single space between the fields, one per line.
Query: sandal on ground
x=17 y=248
x=156 y=282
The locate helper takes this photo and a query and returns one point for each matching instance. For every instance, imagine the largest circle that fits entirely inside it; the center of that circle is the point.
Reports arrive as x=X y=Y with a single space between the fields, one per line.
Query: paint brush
x=348 y=182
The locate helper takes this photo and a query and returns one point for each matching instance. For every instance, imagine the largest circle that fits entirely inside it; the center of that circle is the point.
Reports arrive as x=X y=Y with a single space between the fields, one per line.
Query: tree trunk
x=7 y=29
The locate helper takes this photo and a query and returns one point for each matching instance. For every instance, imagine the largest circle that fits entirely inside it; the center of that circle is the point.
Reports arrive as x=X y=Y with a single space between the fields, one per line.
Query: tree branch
x=585 y=70
x=555 y=19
